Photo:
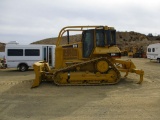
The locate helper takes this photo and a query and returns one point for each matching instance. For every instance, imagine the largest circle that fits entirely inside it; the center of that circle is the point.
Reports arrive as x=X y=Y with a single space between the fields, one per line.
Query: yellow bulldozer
x=136 y=52
x=95 y=60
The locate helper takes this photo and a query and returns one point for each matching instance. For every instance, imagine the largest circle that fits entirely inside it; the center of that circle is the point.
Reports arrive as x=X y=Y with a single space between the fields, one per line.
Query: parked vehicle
x=153 y=52
x=24 y=56
x=95 y=60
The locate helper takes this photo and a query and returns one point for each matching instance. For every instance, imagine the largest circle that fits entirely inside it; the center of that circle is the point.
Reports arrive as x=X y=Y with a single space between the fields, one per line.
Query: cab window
x=88 y=43
x=111 y=37
x=100 y=38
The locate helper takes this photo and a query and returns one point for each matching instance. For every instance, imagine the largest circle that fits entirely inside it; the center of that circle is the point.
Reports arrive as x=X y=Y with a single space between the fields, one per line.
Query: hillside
x=134 y=39
x=124 y=40
x=73 y=38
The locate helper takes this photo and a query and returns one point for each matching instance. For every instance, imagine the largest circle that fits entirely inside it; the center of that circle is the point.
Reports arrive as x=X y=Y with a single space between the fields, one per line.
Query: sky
x=27 y=21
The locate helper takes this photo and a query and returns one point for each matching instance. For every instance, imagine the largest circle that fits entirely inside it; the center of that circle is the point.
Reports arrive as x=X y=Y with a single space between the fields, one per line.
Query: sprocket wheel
x=102 y=66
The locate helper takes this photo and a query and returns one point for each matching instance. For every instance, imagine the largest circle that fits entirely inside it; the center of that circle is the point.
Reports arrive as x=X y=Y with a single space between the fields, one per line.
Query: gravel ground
x=123 y=101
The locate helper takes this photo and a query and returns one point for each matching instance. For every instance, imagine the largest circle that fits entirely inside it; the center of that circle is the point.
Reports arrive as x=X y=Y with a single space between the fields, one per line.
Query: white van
x=24 y=56
x=153 y=52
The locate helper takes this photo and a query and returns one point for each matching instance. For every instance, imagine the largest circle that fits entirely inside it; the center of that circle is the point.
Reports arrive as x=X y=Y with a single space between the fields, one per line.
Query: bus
x=23 y=57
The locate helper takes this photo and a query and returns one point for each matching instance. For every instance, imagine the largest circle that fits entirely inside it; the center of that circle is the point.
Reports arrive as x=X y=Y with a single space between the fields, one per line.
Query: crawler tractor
x=95 y=60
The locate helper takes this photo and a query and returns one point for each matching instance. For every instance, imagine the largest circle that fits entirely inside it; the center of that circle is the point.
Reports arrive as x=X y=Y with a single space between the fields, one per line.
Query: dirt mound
x=73 y=39
x=124 y=40
x=134 y=39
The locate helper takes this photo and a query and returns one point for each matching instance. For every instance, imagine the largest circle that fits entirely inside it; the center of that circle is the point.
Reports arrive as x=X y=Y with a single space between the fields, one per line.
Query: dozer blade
x=39 y=69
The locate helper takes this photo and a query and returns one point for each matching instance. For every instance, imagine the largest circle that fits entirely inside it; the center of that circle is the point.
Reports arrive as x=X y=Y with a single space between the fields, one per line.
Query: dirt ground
x=123 y=101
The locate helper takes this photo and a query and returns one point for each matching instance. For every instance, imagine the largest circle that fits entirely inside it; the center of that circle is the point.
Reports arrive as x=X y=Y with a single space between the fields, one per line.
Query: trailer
x=23 y=57
x=153 y=52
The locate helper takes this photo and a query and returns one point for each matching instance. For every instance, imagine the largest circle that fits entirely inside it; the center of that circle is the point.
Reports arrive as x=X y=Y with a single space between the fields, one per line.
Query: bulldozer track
x=71 y=67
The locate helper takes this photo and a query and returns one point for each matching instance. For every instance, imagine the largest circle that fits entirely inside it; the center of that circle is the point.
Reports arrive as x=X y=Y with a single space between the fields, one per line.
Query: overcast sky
x=26 y=21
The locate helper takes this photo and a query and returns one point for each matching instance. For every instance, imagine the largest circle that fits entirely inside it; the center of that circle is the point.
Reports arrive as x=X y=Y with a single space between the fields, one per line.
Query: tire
x=158 y=60
x=23 y=67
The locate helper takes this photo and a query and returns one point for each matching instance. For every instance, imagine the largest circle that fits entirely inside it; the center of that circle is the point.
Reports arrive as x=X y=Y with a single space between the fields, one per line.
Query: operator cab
x=97 y=38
